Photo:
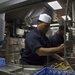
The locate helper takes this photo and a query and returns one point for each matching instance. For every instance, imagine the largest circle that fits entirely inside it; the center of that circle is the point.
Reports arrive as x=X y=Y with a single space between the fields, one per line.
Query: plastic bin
x=2 y=62
x=53 y=71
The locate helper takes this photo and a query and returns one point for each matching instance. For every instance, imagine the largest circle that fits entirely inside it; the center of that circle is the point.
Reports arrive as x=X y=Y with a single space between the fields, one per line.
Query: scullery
x=37 y=37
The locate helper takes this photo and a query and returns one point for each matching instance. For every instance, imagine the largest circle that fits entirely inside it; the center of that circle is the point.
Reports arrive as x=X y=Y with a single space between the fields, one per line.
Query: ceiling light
x=19 y=31
x=55 y=5
x=55 y=24
x=34 y=25
x=54 y=28
x=64 y=17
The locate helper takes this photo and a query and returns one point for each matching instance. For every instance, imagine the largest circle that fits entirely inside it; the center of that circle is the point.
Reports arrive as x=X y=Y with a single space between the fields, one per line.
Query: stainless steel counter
x=7 y=69
x=15 y=69
x=28 y=70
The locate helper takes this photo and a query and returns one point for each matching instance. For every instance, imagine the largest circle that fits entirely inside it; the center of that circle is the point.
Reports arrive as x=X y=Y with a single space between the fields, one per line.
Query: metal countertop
x=17 y=69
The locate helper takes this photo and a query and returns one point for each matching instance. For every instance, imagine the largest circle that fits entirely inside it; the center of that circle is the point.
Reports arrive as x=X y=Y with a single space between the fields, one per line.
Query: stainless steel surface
x=10 y=68
x=7 y=70
x=28 y=70
x=19 y=69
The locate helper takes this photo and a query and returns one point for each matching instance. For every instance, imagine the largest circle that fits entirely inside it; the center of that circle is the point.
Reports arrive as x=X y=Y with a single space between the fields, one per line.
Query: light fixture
x=54 y=28
x=55 y=5
x=34 y=25
x=19 y=31
x=55 y=24
x=64 y=17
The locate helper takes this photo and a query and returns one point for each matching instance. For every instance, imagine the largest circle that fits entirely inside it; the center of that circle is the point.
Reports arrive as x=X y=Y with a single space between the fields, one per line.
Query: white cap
x=45 y=18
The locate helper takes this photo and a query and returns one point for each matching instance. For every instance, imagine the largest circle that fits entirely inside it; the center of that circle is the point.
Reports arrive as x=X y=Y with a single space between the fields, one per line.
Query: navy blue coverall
x=33 y=41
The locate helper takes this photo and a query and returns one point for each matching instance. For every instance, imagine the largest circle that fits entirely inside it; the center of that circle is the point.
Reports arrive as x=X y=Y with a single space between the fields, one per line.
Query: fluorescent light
x=54 y=28
x=64 y=17
x=20 y=31
x=56 y=24
x=34 y=25
x=55 y=5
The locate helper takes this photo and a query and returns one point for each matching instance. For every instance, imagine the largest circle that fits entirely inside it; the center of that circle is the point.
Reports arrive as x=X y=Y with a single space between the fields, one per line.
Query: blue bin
x=2 y=62
x=46 y=71
x=53 y=71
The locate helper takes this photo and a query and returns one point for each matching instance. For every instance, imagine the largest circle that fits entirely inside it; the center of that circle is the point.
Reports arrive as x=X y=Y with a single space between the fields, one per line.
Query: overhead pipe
x=15 y=4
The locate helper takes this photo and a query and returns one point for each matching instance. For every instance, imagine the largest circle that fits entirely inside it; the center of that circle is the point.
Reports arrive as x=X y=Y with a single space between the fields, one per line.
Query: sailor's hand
x=61 y=59
x=61 y=47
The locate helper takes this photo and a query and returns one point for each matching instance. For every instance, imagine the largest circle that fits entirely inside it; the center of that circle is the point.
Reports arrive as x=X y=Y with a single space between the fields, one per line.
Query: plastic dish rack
x=2 y=62
x=53 y=71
